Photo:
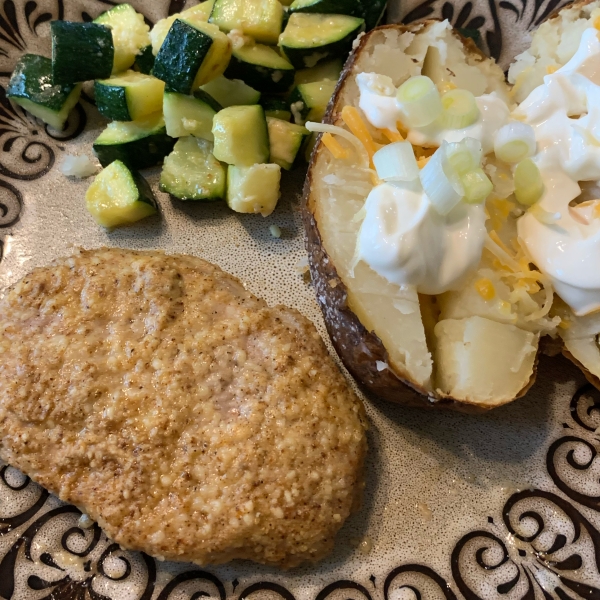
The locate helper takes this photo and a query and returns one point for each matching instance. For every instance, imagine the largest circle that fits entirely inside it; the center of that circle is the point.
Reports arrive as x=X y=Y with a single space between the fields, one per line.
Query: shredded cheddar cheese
x=357 y=126
x=597 y=23
x=334 y=146
x=552 y=69
x=565 y=323
x=423 y=161
x=392 y=136
x=485 y=288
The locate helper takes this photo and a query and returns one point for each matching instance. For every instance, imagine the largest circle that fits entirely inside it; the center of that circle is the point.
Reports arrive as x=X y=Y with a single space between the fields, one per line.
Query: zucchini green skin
x=192 y=54
x=144 y=61
x=80 y=52
x=336 y=7
x=261 y=77
x=277 y=107
x=309 y=56
x=111 y=101
x=137 y=154
x=31 y=86
x=372 y=12
x=180 y=56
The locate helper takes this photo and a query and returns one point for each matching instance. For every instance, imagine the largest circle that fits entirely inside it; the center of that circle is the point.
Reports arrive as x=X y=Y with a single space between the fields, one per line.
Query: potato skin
x=359 y=348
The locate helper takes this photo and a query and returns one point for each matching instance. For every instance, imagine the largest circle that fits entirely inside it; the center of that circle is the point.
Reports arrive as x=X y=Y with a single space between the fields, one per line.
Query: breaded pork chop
x=188 y=418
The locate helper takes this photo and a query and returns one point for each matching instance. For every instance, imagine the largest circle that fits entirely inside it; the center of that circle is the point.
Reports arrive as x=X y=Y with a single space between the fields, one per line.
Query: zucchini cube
x=285 y=141
x=129 y=33
x=253 y=189
x=80 y=52
x=240 y=135
x=192 y=54
x=31 y=87
x=259 y=19
x=119 y=196
x=191 y=172
x=129 y=96
x=309 y=38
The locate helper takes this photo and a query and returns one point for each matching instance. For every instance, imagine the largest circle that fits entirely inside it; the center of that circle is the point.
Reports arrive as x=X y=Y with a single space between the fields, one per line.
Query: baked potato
x=465 y=348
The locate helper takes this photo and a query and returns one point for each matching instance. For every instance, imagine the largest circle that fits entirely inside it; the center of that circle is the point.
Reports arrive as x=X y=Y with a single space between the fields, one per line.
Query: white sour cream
x=565 y=114
x=404 y=239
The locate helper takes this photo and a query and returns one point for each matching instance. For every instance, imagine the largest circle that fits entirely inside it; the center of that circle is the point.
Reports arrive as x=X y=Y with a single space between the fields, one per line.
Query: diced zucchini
x=261 y=67
x=231 y=92
x=130 y=34
x=329 y=69
x=139 y=144
x=309 y=38
x=197 y=13
x=80 y=52
x=285 y=141
x=31 y=87
x=253 y=189
x=260 y=19
x=129 y=96
x=309 y=101
x=241 y=135
x=192 y=54
x=336 y=7
x=144 y=61
x=373 y=12
x=118 y=196
x=190 y=115
x=191 y=172
x=276 y=107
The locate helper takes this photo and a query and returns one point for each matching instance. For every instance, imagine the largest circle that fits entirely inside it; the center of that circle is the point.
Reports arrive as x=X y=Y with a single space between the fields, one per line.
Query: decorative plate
x=505 y=505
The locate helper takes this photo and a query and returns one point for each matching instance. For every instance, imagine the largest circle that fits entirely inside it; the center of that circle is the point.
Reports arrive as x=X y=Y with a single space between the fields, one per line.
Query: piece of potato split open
x=457 y=349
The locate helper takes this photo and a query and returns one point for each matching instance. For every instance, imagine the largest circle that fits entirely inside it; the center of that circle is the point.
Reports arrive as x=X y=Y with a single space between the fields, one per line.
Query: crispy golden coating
x=188 y=418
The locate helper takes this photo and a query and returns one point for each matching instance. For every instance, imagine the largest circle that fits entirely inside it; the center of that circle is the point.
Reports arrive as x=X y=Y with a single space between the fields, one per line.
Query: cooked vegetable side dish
x=232 y=73
x=459 y=213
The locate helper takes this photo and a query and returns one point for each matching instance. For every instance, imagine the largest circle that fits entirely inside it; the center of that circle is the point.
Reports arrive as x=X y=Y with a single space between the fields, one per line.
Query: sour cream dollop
x=404 y=239
x=565 y=114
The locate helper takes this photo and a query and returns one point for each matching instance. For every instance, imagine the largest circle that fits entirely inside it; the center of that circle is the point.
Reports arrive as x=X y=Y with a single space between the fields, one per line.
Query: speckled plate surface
x=505 y=505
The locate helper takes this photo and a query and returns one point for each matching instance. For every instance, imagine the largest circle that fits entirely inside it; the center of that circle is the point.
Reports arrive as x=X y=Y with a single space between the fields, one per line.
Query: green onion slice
x=440 y=183
x=514 y=142
x=477 y=186
x=528 y=182
x=459 y=109
x=419 y=100
x=464 y=156
x=396 y=162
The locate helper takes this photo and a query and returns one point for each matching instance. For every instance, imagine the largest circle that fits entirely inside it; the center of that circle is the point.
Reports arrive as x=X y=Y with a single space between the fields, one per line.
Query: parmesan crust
x=180 y=412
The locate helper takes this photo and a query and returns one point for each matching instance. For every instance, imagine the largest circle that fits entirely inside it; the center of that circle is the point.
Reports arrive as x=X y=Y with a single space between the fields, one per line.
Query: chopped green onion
x=444 y=192
x=477 y=186
x=419 y=101
x=528 y=182
x=459 y=109
x=464 y=156
x=514 y=142
x=396 y=162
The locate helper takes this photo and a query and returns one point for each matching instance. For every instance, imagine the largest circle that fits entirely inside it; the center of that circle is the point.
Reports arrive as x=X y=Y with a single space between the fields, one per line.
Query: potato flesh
x=391 y=312
x=552 y=45
x=483 y=361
